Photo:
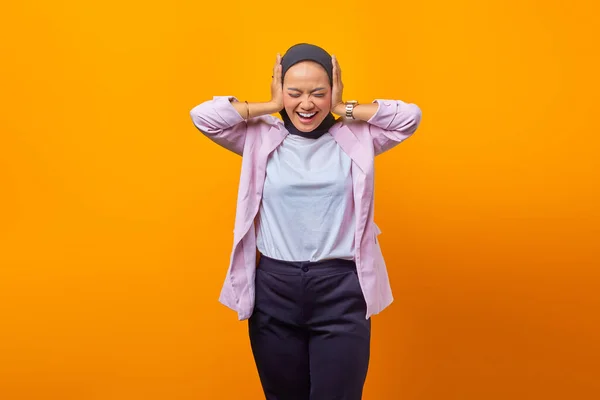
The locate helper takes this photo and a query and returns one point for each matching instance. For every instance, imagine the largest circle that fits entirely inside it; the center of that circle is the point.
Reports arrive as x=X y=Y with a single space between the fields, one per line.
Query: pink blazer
x=255 y=139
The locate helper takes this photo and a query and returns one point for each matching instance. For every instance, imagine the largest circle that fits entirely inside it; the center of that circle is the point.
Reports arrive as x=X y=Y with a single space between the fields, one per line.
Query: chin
x=304 y=128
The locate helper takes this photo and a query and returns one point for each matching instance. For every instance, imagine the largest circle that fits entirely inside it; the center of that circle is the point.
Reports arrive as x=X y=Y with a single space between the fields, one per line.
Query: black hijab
x=307 y=52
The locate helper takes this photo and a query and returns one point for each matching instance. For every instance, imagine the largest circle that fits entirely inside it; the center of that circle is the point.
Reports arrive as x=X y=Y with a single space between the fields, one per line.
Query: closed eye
x=297 y=95
x=319 y=89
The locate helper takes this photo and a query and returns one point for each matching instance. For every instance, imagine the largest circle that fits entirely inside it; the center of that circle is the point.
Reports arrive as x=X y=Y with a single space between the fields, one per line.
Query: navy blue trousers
x=308 y=331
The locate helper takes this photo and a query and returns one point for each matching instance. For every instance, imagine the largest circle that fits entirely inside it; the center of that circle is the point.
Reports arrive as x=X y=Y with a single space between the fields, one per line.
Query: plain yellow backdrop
x=117 y=214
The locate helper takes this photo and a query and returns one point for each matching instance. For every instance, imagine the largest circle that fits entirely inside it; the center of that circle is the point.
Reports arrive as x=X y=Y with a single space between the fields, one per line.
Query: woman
x=305 y=202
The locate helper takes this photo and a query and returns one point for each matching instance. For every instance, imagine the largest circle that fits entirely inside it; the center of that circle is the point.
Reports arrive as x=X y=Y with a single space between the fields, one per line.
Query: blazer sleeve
x=218 y=120
x=394 y=122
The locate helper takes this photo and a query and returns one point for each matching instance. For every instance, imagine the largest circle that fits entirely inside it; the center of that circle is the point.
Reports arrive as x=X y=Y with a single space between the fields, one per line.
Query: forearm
x=251 y=110
x=363 y=112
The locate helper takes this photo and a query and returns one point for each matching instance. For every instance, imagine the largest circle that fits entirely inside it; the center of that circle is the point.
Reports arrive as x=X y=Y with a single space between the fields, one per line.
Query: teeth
x=307 y=115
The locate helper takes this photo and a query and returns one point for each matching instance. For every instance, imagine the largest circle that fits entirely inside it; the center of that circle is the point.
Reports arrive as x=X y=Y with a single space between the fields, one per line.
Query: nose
x=306 y=103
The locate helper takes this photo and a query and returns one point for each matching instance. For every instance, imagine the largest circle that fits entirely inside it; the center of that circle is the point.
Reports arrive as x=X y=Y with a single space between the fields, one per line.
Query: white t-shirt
x=307 y=209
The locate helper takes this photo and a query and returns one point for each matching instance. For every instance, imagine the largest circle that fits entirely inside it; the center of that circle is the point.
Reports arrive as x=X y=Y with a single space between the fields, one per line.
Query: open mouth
x=306 y=117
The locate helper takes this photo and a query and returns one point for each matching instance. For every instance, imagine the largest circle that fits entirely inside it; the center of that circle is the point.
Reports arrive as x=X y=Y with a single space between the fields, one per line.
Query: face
x=306 y=95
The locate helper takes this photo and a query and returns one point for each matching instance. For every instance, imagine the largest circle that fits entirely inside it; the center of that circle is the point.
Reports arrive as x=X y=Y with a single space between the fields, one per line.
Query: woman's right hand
x=277 y=85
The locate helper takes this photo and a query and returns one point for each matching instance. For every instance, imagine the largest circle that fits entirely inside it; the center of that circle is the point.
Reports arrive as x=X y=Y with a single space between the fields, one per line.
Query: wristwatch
x=350 y=104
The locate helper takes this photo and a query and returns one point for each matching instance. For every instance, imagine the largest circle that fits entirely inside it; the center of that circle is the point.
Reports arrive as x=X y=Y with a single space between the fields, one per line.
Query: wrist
x=339 y=109
x=274 y=107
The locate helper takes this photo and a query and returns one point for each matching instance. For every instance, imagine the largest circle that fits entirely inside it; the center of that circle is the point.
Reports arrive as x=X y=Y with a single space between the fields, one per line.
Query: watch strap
x=350 y=108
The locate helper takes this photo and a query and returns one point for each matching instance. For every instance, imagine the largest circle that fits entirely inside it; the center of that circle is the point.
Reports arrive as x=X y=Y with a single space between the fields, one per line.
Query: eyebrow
x=314 y=90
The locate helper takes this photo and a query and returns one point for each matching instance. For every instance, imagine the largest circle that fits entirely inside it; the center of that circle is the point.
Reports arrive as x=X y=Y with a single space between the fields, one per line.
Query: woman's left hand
x=337 y=104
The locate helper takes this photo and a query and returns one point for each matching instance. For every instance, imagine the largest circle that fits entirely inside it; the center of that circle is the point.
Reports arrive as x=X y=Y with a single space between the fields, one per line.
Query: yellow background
x=117 y=214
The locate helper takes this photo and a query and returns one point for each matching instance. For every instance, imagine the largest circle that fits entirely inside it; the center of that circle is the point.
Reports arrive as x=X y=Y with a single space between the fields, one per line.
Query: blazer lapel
x=350 y=144
x=270 y=141
x=358 y=152
x=256 y=161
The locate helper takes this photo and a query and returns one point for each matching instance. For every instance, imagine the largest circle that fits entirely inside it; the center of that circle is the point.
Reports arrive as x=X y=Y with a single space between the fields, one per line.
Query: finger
x=277 y=68
x=277 y=75
x=335 y=74
x=277 y=63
